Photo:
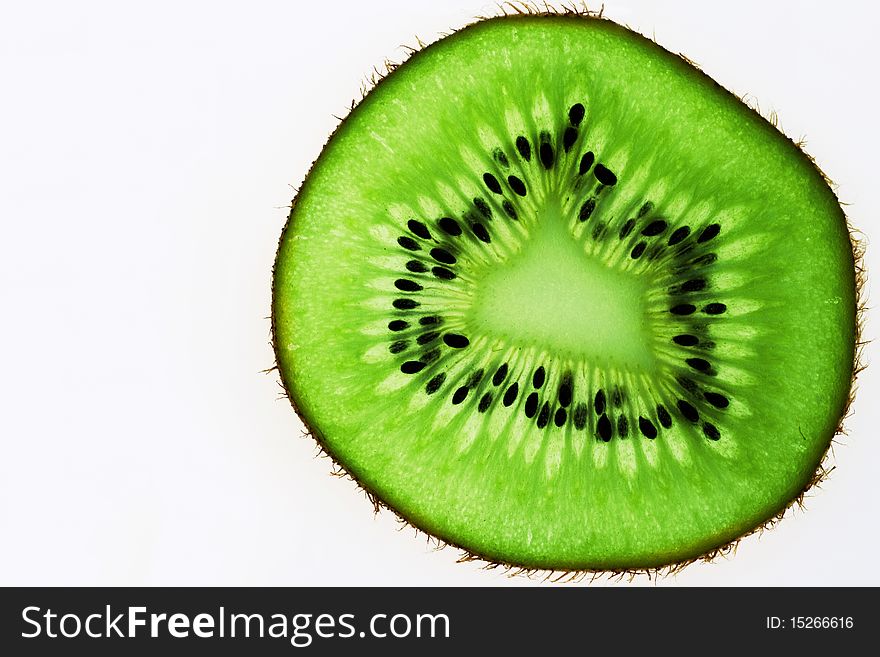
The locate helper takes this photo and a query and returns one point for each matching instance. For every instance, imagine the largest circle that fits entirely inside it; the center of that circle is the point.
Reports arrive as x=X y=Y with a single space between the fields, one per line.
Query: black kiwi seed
x=576 y=114
x=416 y=266
x=517 y=185
x=483 y=207
x=443 y=272
x=663 y=416
x=686 y=340
x=460 y=395
x=565 y=391
x=568 y=138
x=510 y=395
x=599 y=402
x=412 y=366
x=683 y=309
x=544 y=415
x=427 y=338
x=678 y=235
x=645 y=209
x=492 y=183
x=711 y=431
x=598 y=231
x=717 y=400
x=524 y=148
x=586 y=162
x=531 y=406
x=455 y=340
x=604 y=175
x=442 y=255
x=434 y=384
x=450 y=226
x=694 y=285
x=397 y=347
x=654 y=228
x=709 y=232
x=587 y=209
x=481 y=232
x=715 y=309
x=500 y=375
x=538 y=377
x=418 y=228
x=430 y=356
x=546 y=151
x=405 y=304
x=637 y=251
x=509 y=209
x=604 y=428
x=647 y=428
x=406 y=285
x=475 y=378
x=627 y=228
x=617 y=397
x=485 y=401
x=580 y=416
x=430 y=320
x=501 y=158
x=397 y=325
x=560 y=417
x=622 y=426
x=408 y=243
x=688 y=411
x=699 y=364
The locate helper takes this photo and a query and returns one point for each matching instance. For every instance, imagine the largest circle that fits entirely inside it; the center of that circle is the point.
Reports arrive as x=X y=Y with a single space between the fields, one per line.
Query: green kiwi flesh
x=554 y=296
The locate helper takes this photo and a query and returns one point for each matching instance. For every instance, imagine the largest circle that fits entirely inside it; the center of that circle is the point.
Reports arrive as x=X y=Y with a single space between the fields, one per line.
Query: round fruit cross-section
x=556 y=297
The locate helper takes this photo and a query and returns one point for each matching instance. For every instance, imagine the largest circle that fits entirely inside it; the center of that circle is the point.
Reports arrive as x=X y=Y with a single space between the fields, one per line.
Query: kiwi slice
x=556 y=297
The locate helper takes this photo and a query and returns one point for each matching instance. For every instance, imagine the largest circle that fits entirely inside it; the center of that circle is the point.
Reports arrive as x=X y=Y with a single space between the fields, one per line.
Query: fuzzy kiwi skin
x=292 y=380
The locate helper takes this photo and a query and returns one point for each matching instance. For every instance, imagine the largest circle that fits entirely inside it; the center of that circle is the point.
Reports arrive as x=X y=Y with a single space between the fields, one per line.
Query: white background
x=147 y=151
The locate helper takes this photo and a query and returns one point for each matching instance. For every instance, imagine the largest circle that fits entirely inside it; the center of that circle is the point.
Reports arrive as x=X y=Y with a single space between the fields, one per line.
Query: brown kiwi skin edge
x=823 y=466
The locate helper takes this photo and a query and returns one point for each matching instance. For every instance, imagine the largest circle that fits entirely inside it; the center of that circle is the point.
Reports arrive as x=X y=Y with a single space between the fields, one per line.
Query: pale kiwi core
x=597 y=313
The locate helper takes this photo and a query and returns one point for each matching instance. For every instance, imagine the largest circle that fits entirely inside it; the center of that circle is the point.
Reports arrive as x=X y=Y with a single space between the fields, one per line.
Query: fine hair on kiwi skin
x=488 y=560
